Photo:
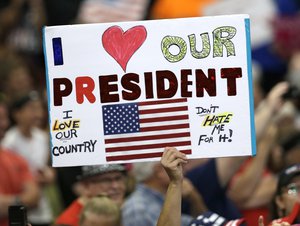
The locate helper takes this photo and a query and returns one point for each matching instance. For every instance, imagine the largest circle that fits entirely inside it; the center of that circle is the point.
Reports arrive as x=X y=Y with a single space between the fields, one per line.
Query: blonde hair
x=102 y=206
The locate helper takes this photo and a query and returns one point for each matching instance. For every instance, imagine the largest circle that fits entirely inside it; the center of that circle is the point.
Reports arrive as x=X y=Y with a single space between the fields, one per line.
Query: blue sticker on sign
x=57 y=51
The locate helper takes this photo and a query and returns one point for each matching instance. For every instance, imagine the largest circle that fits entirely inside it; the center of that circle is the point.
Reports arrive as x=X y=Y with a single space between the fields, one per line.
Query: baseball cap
x=286 y=176
x=94 y=170
x=213 y=219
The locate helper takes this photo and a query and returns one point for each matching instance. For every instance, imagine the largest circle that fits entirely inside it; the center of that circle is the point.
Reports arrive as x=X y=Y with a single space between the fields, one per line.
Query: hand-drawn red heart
x=122 y=45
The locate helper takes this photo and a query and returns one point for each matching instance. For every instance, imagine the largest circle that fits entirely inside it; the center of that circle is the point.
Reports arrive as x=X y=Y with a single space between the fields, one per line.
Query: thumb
x=261 y=221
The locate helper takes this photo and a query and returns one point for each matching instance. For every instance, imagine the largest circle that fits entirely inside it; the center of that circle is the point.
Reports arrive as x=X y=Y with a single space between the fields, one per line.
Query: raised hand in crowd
x=269 y=106
x=261 y=223
x=172 y=161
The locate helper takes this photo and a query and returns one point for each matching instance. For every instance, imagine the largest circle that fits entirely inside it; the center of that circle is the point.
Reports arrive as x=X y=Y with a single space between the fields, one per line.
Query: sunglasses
x=293 y=189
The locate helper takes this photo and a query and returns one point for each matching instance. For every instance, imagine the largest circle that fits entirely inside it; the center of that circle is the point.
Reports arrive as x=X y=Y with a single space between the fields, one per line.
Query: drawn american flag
x=142 y=130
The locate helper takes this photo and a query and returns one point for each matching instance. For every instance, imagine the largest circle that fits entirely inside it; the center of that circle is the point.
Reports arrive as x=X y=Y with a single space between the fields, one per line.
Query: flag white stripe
x=139 y=134
x=165 y=123
x=159 y=106
x=152 y=141
x=163 y=114
x=145 y=151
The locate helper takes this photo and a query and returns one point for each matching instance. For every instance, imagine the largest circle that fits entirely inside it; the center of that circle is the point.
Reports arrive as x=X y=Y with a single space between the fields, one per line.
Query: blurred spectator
x=22 y=23
x=17 y=185
x=143 y=206
x=100 y=211
x=107 y=180
x=21 y=31
x=16 y=78
x=100 y=11
x=286 y=203
x=25 y=139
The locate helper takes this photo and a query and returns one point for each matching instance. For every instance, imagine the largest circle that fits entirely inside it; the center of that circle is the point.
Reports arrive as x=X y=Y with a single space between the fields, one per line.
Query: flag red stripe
x=148 y=146
x=168 y=101
x=163 y=119
x=161 y=110
x=139 y=156
x=158 y=128
x=150 y=137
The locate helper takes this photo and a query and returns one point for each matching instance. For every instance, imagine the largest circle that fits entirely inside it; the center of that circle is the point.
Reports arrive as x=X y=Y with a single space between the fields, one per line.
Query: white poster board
x=121 y=92
x=262 y=14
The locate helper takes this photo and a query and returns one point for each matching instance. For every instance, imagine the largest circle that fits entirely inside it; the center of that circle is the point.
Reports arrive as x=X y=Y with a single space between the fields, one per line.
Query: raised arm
x=245 y=185
x=172 y=161
x=270 y=106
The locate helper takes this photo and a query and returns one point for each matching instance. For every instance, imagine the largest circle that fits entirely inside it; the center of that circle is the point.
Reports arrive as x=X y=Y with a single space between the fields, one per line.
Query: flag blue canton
x=120 y=118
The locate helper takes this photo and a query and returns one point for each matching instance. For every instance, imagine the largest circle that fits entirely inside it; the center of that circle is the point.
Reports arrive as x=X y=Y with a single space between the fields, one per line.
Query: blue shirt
x=143 y=206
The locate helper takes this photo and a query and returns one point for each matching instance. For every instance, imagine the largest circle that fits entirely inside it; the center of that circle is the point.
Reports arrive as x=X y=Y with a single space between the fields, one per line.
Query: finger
x=177 y=162
x=170 y=156
x=169 y=153
x=261 y=221
x=176 y=157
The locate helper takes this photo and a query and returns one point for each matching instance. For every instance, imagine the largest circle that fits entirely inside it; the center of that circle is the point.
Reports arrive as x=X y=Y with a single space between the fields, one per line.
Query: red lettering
x=84 y=88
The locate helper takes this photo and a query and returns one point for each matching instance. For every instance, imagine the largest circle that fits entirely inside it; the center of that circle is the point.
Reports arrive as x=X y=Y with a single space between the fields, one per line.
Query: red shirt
x=71 y=215
x=14 y=173
x=290 y=218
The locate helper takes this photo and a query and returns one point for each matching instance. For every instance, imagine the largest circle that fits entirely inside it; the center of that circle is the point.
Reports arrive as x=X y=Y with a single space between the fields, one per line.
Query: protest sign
x=121 y=92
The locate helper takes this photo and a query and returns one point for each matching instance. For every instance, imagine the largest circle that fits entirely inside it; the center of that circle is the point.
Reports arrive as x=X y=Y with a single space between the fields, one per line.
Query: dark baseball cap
x=286 y=176
x=94 y=170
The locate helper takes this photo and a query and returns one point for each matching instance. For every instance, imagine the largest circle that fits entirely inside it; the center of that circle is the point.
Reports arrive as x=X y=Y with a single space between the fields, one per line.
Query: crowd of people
x=254 y=191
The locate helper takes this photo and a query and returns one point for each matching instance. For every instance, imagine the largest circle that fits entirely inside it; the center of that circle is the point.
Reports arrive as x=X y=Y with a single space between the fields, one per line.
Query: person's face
x=112 y=185
x=289 y=197
x=29 y=113
x=92 y=219
x=4 y=122
x=19 y=82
